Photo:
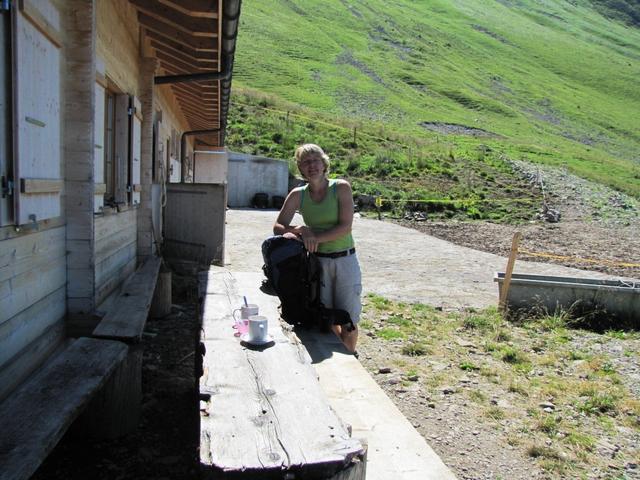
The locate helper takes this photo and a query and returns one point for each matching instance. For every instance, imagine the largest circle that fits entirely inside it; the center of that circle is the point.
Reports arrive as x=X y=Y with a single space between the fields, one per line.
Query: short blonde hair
x=307 y=149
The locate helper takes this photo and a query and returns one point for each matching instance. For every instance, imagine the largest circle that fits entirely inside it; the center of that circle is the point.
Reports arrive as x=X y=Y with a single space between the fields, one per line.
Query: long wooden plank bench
x=35 y=417
x=125 y=322
x=263 y=413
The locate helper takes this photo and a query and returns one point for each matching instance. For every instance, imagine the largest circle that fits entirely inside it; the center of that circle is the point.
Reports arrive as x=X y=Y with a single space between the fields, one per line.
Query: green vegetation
x=559 y=398
x=385 y=88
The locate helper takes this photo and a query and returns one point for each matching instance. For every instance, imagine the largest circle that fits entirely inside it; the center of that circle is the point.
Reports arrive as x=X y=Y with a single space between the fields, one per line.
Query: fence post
x=503 y=305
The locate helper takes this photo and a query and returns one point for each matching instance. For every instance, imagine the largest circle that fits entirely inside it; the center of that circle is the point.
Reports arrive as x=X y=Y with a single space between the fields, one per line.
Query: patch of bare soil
x=598 y=227
x=165 y=444
x=484 y=425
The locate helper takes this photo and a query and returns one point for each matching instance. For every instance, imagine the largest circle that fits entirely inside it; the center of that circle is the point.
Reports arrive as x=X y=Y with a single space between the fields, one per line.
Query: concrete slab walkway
x=397 y=262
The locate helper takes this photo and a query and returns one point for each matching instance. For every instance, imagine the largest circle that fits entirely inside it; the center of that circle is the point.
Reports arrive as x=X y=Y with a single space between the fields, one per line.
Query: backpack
x=294 y=275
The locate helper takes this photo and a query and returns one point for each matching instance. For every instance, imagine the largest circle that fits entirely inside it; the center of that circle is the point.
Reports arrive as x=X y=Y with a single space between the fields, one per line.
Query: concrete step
x=396 y=450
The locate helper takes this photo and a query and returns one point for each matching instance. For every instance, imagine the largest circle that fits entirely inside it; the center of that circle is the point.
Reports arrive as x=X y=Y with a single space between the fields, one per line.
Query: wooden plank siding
x=115 y=256
x=32 y=302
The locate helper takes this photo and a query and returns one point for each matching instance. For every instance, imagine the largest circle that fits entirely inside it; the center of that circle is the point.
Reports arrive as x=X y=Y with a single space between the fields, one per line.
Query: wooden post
x=161 y=303
x=503 y=305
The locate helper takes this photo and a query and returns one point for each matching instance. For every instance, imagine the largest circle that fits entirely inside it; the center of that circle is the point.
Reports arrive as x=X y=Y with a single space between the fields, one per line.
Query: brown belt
x=344 y=253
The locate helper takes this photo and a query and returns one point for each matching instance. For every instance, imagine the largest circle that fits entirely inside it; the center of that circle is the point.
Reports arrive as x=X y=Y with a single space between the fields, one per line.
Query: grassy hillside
x=550 y=82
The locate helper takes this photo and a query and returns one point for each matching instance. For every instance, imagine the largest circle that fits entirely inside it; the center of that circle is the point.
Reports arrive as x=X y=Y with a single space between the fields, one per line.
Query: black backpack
x=294 y=275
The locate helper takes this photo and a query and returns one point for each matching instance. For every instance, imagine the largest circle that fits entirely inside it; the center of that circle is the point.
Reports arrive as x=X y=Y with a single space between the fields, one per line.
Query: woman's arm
x=288 y=210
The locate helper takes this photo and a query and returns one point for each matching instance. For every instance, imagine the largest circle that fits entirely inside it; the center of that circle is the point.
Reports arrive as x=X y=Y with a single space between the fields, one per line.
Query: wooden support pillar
x=78 y=91
x=161 y=303
x=115 y=411
x=145 y=221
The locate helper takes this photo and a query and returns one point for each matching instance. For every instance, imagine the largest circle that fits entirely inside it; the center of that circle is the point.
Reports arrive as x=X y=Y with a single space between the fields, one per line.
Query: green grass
x=525 y=364
x=554 y=85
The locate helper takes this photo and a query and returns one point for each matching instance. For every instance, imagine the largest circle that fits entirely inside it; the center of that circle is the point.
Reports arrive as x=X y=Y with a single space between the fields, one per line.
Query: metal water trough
x=617 y=299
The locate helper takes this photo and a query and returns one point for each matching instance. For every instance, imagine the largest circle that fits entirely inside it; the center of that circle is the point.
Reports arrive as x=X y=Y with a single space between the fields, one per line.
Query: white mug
x=258 y=328
x=247 y=310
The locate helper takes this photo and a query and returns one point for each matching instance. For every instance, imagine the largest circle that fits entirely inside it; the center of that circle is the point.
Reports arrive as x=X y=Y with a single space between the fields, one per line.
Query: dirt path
x=397 y=262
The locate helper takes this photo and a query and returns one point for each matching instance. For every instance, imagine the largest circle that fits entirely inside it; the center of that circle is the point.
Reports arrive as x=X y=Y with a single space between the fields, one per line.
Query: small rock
x=384 y=370
x=545 y=405
x=431 y=405
x=412 y=378
x=465 y=343
x=448 y=390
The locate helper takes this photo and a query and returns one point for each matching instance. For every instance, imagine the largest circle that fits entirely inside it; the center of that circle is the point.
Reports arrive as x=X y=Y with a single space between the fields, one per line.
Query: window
x=109 y=145
x=122 y=134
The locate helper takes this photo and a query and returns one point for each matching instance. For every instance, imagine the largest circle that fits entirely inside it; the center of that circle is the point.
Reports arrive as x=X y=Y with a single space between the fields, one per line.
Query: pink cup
x=242 y=323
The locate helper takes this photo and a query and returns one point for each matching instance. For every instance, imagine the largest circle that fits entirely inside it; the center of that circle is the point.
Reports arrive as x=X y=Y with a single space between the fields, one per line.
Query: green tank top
x=321 y=216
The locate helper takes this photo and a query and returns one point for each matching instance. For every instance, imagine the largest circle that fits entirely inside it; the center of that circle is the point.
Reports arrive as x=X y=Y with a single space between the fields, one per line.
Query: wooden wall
x=117 y=43
x=32 y=302
x=115 y=237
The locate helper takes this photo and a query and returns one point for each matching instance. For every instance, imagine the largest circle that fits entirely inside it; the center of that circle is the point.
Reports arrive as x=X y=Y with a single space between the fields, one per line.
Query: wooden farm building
x=103 y=105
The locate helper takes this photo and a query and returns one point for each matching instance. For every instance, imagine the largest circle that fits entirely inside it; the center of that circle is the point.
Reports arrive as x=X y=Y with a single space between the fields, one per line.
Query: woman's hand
x=308 y=237
x=310 y=240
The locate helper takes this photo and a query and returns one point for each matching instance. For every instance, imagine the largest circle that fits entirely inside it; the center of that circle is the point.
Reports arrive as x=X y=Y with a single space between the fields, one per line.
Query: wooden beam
x=194 y=8
x=203 y=106
x=40 y=185
x=185 y=64
x=169 y=51
x=210 y=96
x=101 y=79
x=197 y=26
x=167 y=43
x=202 y=44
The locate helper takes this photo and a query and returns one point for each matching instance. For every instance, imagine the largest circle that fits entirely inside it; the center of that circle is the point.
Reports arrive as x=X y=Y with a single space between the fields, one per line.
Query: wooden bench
x=36 y=416
x=263 y=413
x=125 y=322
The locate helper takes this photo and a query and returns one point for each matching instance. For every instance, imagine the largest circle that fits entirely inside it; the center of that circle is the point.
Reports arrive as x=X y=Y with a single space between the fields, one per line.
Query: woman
x=327 y=209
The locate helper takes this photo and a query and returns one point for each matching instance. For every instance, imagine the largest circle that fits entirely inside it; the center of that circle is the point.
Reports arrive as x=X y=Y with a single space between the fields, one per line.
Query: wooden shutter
x=6 y=204
x=122 y=147
x=38 y=110
x=99 y=138
x=136 y=132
